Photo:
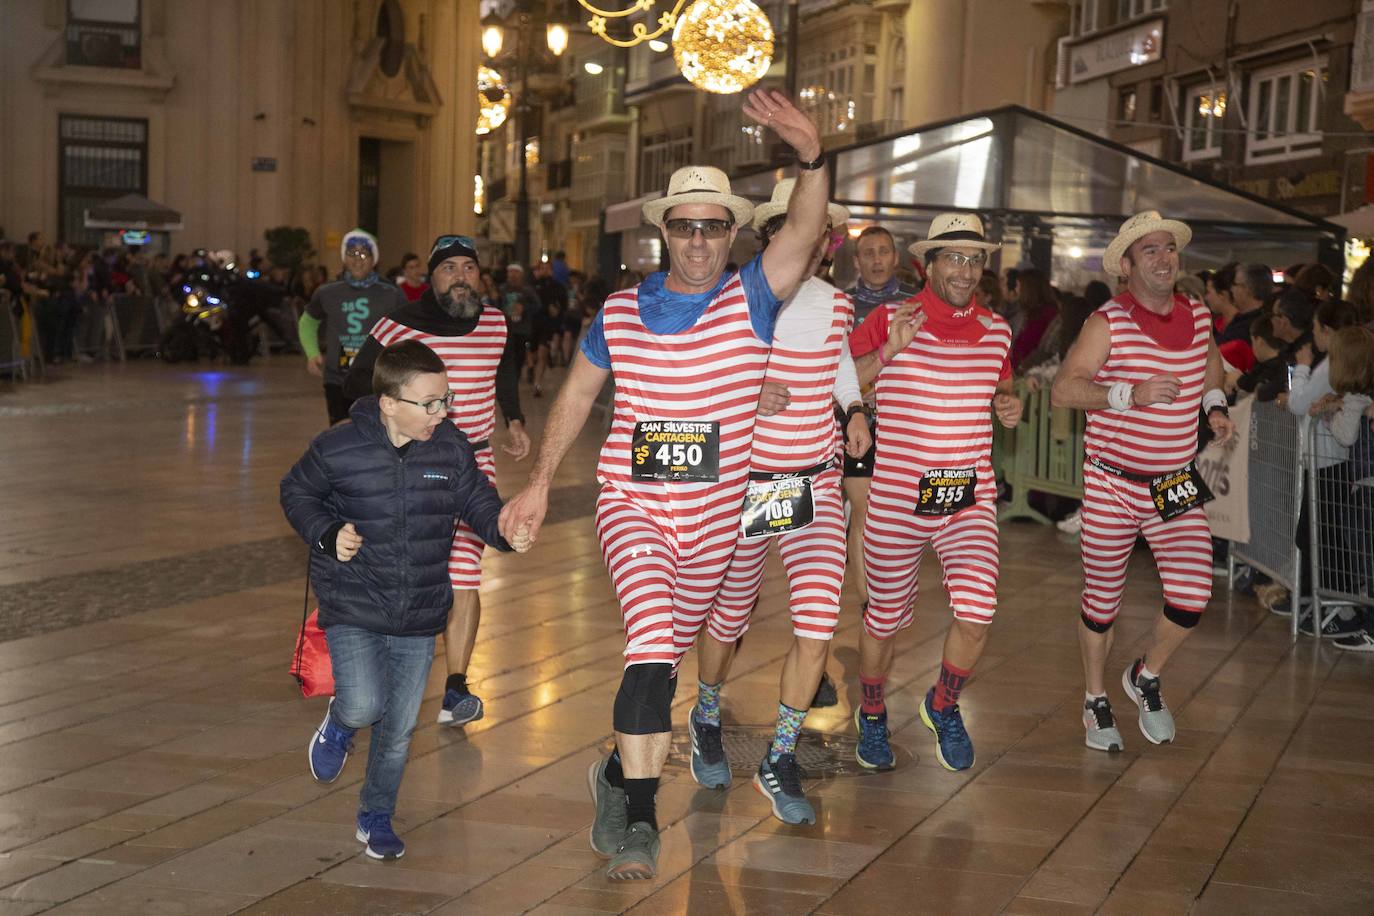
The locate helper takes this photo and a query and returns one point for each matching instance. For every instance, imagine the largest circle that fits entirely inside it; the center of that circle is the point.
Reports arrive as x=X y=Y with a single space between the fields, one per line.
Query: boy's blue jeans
x=379 y=681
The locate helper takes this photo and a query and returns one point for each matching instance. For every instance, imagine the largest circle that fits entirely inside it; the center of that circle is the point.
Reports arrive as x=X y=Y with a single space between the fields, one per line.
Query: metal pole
x=522 y=198
x=793 y=48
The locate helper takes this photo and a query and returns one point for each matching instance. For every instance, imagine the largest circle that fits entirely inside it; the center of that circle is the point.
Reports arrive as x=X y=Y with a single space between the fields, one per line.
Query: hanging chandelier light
x=493 y=100
x=723 y=46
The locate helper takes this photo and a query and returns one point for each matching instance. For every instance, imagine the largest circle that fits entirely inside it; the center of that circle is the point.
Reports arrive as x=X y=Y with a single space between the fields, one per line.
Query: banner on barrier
x=1226 y=469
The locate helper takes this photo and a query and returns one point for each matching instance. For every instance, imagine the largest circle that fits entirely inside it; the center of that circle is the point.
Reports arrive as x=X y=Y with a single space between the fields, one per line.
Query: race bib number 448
x=1174 y=494
x=675 y=450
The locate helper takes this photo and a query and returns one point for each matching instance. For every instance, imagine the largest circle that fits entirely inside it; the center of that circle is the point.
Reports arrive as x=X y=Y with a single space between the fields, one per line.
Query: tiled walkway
x=152 y=745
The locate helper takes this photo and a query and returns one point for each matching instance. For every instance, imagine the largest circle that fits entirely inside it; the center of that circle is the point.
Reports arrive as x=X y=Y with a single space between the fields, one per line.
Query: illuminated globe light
x=493 y=100
x=723 y=46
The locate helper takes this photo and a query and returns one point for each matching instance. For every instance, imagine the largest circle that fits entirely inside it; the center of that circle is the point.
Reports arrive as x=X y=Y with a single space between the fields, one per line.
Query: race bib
x=1178 y=491
x=675 y=450
x=773 y=507
x=945 y=491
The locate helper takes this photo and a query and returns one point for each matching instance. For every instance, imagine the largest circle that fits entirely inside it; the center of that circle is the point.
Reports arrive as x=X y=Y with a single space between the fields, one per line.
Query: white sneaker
x=1071 y=524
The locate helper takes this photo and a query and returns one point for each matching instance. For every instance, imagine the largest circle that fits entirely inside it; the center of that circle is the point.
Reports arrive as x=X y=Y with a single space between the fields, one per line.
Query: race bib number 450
x=945 y=491
x=1175 y=493
x=675 y=450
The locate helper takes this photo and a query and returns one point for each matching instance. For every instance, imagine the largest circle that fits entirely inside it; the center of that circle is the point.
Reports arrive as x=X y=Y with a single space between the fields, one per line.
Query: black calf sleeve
x=644 y=703
x=1094 y=625
x=1185 y=619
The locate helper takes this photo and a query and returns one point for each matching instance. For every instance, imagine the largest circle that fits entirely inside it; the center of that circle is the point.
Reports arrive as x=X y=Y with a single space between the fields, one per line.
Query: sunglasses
x=709 y=228
x=446 y=240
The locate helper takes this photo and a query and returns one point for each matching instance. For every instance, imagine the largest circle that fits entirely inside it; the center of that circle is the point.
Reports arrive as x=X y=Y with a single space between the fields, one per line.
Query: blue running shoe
x=874 y=752
x=460 y=708
x=780 y=783
x=382 y=842
x=329 y=747
x=709 y=766
x=953 y=748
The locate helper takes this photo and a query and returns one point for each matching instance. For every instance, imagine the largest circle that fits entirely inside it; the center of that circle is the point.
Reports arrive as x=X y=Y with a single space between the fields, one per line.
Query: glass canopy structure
x=1055 y=196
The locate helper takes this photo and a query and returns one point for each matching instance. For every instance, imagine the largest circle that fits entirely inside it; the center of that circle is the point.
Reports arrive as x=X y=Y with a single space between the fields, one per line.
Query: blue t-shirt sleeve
x=763 y=305
x=594 y=343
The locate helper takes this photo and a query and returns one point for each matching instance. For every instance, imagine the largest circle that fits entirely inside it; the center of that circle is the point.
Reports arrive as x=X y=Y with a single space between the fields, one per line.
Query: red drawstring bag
x=310 y=665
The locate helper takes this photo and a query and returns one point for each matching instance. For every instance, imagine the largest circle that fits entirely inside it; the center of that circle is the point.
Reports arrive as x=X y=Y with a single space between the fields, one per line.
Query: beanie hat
x=360 y=236
x=451 y=246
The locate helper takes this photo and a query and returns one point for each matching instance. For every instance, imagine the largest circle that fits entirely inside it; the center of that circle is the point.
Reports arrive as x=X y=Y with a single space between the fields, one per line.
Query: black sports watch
x=855 y=409
x=813 y=164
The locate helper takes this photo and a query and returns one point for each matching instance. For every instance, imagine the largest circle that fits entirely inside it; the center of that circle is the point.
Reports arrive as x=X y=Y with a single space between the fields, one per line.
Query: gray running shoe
x=709 y=766
x=1102 y=734
x=780 y=783
x=608 y=826
x=637 y=855
x=1156 y=722
x=1358 y=642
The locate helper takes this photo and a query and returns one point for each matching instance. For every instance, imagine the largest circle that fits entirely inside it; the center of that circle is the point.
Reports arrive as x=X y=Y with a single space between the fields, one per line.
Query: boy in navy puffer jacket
x=377 y=500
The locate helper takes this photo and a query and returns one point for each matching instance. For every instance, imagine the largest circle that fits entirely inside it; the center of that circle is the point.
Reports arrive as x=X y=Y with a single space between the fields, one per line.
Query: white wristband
x=1119 y=396
x=1213 y=399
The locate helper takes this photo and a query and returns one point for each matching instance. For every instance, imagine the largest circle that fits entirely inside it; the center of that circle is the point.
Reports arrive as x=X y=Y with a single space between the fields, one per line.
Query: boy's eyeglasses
x=709 y=228
x=436 y=406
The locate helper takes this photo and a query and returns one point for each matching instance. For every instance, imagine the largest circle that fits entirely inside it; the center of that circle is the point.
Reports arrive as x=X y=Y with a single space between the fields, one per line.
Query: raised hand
x=775 y=111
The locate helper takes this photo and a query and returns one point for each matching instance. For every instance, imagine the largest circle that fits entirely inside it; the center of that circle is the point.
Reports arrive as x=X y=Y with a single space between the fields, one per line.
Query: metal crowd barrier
x=1044 y=453
x=1340 y=504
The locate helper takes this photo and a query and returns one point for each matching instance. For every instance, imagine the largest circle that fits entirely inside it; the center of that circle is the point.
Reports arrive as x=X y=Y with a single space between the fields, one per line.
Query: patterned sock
x=639 y=800
x=708 y=703
x=789 y=726
x=949 y=686
x=873 y=694
x=614 y=774
x=458 y=682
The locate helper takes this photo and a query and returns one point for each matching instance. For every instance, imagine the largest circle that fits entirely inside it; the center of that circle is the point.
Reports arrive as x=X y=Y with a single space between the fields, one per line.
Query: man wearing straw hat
x=941 y=366
x=688 y=350
x=794 y=500
x=1143 y=367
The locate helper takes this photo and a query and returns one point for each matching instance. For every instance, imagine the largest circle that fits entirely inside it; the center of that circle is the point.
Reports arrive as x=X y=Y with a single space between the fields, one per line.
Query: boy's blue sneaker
x=329 y=747
x=709 y=766
x=874 y=752
x=382 y=842
x=459 y=708
x=780 y=783
x=953 y=747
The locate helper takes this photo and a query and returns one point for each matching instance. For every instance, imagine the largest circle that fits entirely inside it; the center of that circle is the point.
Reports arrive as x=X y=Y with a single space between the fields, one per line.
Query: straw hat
x=958 y=229
x=782 y=193
x=1137 y=227
x=697 y=184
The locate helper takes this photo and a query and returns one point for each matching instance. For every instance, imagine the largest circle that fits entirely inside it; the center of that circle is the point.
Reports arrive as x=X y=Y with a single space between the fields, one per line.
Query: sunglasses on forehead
x=445 y=241
x=709 y=228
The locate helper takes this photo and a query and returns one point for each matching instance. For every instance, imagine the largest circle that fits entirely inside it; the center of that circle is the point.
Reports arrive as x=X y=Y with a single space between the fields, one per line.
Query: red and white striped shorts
x=465 y=556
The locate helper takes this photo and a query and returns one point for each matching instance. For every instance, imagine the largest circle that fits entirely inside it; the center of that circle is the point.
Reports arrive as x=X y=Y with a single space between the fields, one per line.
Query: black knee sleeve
x=644 y=703
x=1094 y=625
x=1185 y=619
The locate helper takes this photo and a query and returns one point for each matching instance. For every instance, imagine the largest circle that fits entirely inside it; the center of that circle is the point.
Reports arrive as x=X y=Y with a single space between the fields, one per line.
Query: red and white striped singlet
x=1161 y=437
x=471 y=361
x=805 y=433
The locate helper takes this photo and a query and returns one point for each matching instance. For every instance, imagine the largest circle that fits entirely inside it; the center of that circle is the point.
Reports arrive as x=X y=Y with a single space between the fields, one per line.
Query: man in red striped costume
x=688 y=350
x=1140 y=368
x=470 y=338
x=795 y=501
x=941 y=366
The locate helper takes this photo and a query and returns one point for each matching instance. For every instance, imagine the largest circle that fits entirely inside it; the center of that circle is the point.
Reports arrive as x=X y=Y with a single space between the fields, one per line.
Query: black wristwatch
x=1225 y=411
x=813 y=164
x=857 y=408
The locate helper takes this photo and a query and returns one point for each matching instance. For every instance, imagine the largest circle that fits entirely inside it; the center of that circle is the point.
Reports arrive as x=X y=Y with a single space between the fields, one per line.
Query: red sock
x=949 y=686
x=873 y=694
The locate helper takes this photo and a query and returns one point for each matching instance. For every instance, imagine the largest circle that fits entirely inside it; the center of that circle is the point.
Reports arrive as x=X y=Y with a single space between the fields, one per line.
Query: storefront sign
x=1313 y=184
x=1130 y=47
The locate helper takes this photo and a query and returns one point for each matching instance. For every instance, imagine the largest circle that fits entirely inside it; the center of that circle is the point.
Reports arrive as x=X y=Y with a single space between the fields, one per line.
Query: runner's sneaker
x=460 y=708
x=636 y=855
x=874 y=752
x=1072 y=523
x=953 y=747
x=608 y=825
x=1101 y=725
x=709 y=766
x=382 y=842
x=1362 y=641
x=826 y=694
x=780 y=783
x=1156 y=722
x=1335 y=627
x=329 y=747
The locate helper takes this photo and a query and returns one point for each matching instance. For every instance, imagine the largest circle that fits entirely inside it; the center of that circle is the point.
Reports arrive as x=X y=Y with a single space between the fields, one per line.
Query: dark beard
x=459 y=301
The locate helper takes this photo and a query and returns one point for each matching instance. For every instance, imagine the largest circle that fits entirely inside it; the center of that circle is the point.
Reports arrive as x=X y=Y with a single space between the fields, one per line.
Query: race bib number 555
x=945 y=491
x=675 y=450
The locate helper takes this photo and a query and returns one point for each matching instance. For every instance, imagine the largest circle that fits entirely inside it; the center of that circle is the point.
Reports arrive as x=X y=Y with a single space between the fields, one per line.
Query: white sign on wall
x=1131 y=47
